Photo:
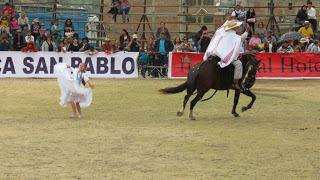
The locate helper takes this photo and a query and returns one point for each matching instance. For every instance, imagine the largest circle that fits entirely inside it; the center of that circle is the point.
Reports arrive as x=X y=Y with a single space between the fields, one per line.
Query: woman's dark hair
x=65 y=23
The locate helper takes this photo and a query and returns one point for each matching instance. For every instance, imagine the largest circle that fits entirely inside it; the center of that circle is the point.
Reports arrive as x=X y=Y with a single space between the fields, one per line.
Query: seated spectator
x=304 y=44
x=177 y=45
x=285 y=48
x=270 y=35
x=84 y=45
x=68 y=27
x=315 y=48
x=107 y=46
x=61 y=47
x=255 y=41
x=302 y=16
x=4 y=24
x=204 y=41
x=74 y=46
x=35 y=29
x=306 y=30
x=14 y=25
x=18 y=42
x=269 y=45
x=296 y=45
x=312 y=16
x=8 y=10
x=261 y=30
x=134 y=45
x=124 y=10
x=163 y=29
x=69 y=34
x=4 y=44
x=117 y=46
x=23 y=21
x=66 y=43
x=55 y=31
x=49 y=44
x=30 y=43
x=186 y=46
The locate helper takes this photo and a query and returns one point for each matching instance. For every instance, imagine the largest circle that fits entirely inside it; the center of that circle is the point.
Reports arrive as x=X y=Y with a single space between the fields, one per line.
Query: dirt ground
x=132 y=132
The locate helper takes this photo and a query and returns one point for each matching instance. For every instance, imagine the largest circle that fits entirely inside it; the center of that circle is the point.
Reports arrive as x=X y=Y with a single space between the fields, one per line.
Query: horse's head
x=251 y=66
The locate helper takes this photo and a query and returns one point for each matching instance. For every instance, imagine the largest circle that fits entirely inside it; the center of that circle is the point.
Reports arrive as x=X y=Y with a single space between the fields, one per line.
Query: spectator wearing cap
x=7 y=10
x=312 y=16
x=304 y=44
x=49 y=44
x=163 y=29
x=134 y=45
x=4 y=44
x=306 y=30
x=23 y=21
x=35 y=29
x=84 y=45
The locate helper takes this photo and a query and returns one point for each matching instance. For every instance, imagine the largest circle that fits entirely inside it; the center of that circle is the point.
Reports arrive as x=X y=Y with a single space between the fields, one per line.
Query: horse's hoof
x=243 y=109
x=179 y=113
x=236 y=115
x=192 y=118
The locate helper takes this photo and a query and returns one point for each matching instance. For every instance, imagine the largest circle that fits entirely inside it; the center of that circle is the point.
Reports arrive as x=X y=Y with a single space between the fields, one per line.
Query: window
x=192 y=2
x=191 y=19
x=208 y=19
x=208 y=2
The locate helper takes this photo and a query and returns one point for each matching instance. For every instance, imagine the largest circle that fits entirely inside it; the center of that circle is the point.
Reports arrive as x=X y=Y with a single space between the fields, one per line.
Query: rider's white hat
x=232 y=24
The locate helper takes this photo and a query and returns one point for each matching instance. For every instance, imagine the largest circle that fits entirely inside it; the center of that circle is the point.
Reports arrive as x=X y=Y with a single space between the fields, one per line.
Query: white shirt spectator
x=29 y=39
x=312 y=13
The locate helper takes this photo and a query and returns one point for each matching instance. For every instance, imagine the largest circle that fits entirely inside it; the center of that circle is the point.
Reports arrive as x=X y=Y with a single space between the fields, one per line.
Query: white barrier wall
x=40 y=64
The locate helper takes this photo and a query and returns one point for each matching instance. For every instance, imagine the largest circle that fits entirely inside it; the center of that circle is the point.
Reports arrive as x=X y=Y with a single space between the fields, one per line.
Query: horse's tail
x=173 y=90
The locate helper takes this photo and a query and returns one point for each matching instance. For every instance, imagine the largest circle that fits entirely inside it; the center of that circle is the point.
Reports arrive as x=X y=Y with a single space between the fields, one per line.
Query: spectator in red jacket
x=7 y=10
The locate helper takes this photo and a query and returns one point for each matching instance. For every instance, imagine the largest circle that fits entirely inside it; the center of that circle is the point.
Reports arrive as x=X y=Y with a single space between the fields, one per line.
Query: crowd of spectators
x=18 y=35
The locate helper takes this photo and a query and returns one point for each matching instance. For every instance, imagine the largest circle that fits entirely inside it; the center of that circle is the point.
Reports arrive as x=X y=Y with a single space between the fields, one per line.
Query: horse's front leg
x=253 y=99
x=235 y=103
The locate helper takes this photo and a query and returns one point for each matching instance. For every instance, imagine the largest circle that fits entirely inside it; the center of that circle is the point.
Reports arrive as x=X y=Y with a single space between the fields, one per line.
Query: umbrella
x=290 y=36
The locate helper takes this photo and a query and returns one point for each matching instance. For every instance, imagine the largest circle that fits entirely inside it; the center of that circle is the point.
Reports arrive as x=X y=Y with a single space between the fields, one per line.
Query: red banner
x=272 y=66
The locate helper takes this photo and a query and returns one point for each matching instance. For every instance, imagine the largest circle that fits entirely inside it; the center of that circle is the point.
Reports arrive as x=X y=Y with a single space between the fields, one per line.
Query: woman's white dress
x=72 y=89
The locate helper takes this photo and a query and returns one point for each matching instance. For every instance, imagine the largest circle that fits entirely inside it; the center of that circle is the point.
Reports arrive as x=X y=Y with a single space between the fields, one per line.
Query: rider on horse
x=226 y=44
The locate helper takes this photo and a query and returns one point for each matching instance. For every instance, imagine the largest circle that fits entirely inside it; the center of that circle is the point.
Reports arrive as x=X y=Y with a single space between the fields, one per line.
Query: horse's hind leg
x=235 y=103
x=253 y=99
x=185 y=101
x=194 y=102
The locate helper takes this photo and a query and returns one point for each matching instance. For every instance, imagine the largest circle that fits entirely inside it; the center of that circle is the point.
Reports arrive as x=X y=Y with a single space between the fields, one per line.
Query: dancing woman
x=72 y=83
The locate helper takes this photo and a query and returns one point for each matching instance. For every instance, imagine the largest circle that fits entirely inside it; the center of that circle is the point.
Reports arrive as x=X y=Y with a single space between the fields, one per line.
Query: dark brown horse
x=208 y=75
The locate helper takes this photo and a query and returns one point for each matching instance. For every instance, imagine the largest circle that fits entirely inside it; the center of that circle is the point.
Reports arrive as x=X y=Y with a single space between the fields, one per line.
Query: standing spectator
x=163 y=46
x=115 y=8
x=84 y=45
x=49 y=44
x=177 y=44
x=55 y=31
x=75 y=46
x=8 y=10
x=312 y=16
x=237 y=13
x=4 y=44
x=198 y=36
x=302 y=16
x=261 y=30
x=68 y=26
x=23 y=21
x=204 y=41
x=30 y=43
x=35 y=29
x=134 y=45
x=124 y=10
x=124 y=37
x=18 y=42
x=150 y=44
x=306 y=30
x=251 y=20
x=163 y=29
